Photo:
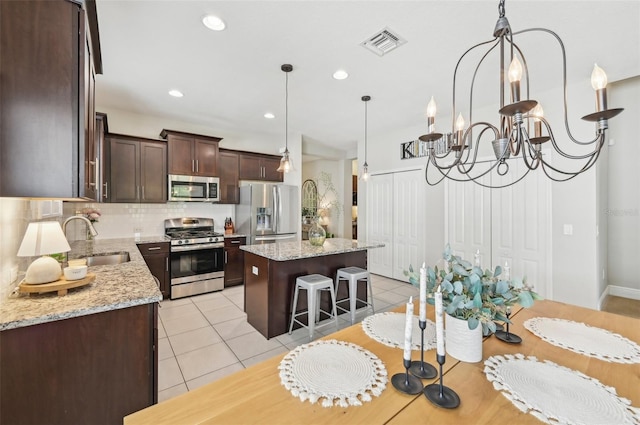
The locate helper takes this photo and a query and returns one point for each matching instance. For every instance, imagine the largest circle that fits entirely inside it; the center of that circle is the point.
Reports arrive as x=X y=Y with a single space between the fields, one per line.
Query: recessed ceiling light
x=340 y=74
x=269 y=115
x=175 y=93
x=213 y=23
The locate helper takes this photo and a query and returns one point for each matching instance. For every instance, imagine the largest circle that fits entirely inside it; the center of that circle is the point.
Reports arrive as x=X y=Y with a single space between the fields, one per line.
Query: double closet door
x=396 y=204
x=511 y=224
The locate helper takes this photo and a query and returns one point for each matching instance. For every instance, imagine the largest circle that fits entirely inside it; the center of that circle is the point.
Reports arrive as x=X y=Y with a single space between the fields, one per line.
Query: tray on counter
x=61 y=286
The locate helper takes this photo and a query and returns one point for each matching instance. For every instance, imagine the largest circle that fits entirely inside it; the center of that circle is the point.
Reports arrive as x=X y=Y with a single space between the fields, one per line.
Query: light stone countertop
x=285 y=251
x=116 y=286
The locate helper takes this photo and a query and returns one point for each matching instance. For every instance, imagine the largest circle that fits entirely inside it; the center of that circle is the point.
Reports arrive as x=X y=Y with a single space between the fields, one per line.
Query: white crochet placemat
x=340 y=373
x=584 y=339
x=557 y=395
x=388 y=329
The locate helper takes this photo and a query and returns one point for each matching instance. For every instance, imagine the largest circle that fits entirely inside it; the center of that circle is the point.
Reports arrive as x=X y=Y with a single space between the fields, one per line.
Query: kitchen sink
x=108 y=258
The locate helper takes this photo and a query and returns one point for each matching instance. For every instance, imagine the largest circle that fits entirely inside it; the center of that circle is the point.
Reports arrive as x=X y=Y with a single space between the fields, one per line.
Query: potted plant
x=472 y=295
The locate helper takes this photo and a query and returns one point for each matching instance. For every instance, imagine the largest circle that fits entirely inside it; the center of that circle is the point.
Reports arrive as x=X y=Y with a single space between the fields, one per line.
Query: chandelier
x=286 y=164
x=455 y=155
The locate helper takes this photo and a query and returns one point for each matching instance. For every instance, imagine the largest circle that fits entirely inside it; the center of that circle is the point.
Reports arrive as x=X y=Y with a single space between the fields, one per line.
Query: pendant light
x=285 y=163
x=365 y=167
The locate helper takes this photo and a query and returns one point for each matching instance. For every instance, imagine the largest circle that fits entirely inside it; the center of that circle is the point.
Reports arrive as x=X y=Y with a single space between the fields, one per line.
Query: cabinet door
x=41 y=125
x=91 y=159
x=125 y=169
x=180 y=155
x=228 y=167
x=153 y=172
x=159 y=267
x=205 y=155
x=233 y=261
x=269 y=167
x=250 y=167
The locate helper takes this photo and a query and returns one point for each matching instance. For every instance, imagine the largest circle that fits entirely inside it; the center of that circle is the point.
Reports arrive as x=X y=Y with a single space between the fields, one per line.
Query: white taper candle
x=408 y=329
x=439 y=323
x=423 y=293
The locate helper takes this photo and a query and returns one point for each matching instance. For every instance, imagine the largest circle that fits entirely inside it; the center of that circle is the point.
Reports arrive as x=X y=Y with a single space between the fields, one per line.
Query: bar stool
x=354 y=275
x=313 y=284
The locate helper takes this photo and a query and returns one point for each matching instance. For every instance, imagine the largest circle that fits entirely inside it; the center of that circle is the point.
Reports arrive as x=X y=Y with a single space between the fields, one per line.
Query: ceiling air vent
x=383 y=42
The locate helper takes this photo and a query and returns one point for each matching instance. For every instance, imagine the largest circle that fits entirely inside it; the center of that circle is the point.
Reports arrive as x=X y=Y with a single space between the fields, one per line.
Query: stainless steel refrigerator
x=268 y=213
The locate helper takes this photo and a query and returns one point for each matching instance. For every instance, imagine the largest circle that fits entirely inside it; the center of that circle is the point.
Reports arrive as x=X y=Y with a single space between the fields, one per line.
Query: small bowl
x=75 y=272
x=78 y=262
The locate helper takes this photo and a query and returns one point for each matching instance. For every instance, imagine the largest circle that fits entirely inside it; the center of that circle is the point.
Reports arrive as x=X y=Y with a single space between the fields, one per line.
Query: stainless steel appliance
x=268 y=213
x=197 y=256
x=193 y=188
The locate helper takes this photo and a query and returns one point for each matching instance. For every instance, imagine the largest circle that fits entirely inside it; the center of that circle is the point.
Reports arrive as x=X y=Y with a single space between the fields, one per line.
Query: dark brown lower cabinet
x=93 y=369
x=156 y=255
x=234 y=261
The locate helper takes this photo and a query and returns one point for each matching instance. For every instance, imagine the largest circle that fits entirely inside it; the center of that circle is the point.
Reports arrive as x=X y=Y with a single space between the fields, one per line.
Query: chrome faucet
x=92 y=229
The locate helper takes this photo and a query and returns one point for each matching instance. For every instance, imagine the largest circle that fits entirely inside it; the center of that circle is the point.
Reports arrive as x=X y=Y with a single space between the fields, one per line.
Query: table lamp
x=42 y=238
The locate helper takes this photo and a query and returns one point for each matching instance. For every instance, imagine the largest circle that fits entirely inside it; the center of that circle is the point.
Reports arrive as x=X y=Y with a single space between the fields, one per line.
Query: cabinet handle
x=235 y=241
x=225 y=257
x=193 y=165
x=137 y=192
x=106 y=190
x=97 y=173
x=166 y=264
x=153 y=248
x=143 y=193
x=197 y=166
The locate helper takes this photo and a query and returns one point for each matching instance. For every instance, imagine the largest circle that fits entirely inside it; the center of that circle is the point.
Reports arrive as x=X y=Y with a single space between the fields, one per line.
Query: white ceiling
x=231 y=78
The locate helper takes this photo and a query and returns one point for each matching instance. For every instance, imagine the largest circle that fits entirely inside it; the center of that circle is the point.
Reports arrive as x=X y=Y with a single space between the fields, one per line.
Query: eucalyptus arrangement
x=471 y=294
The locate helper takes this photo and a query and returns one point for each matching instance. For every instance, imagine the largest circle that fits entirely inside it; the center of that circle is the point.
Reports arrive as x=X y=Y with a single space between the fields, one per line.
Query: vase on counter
x=317 y=234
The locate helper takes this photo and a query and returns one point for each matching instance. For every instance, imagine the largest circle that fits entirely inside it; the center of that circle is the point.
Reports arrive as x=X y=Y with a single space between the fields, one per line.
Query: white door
x=521 y=227
x=468 y=219
x=380 y=223
x=409 y=225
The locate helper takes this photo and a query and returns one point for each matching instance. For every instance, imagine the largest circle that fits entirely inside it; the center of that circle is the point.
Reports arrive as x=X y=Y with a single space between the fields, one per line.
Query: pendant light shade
x=365 y=167
x=286 y=164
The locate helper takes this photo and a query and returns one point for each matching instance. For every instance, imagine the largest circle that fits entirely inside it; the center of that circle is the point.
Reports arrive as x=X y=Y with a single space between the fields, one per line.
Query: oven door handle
x=196 y=247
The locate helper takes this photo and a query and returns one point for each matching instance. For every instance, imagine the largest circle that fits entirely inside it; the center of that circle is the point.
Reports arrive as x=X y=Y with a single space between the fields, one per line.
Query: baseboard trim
x=624 y=292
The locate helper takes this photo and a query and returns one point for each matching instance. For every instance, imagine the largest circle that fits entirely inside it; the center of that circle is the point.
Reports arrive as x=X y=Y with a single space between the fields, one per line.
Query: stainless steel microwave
x=193 y=188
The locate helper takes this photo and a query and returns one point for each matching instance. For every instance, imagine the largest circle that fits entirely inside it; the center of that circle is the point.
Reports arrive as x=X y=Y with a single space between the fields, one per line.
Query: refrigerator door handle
x=276 y=209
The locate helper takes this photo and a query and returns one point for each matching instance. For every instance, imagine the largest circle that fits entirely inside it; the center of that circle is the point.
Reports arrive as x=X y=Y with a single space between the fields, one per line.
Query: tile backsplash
x=125 y=220
x=14 y=218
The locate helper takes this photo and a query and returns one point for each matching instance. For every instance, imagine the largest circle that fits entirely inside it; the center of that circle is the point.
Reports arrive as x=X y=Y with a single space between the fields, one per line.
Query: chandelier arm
x=473 y=81
x=564 y=80
x=598 y=139
x=529 y=152
x=487 y=126
x=504 y=185
x=426 y=175
x=455 y=74
x=590 y=162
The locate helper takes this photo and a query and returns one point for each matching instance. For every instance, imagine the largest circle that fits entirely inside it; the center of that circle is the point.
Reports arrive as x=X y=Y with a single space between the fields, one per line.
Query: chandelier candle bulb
x=423 y=293
x=537 y=122
x=507 y=271
x=460 y=129
x=515 y=75
x=408 y=330
x=599 y=84
x=476 y=258
x=431 y=115
x=439 y=324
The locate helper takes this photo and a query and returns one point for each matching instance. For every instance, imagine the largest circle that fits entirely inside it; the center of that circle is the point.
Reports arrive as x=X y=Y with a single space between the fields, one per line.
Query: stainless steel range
x=197 y=256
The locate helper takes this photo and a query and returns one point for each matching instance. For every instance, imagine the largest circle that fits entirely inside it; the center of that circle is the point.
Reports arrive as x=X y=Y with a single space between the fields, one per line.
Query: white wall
x=14 y=217
x=623 y=211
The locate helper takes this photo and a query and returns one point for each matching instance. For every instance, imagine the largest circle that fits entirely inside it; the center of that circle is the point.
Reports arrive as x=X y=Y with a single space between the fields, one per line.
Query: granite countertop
x=284 y=251
x=116 y=286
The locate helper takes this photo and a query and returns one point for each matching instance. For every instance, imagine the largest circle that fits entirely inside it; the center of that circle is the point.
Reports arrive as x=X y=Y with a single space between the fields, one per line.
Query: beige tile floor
x=207 y=337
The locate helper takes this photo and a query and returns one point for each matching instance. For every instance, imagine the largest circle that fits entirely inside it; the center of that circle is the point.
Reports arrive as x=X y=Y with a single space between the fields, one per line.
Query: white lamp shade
x=42 y=238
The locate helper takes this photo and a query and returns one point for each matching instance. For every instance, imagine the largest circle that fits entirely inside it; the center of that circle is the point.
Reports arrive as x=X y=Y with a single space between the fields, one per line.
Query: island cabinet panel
x=269 y=287
x=233 y=261
x=92 y=369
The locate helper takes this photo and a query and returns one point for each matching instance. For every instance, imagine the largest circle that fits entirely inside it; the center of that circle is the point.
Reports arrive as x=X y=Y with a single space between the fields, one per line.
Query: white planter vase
x=461 y=342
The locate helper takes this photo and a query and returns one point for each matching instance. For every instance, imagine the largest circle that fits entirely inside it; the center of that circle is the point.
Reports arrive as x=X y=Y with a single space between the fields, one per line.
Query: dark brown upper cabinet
x=255 y=166
x=49 y=55
x=191 y=154
x=229 y=168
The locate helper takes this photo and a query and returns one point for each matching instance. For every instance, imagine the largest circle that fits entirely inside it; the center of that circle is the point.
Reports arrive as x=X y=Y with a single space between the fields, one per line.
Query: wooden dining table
x=255 y=395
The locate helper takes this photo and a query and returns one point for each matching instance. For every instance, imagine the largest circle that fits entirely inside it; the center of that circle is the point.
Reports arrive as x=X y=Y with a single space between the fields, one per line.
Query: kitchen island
x=270 y=272
x=86 y=357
